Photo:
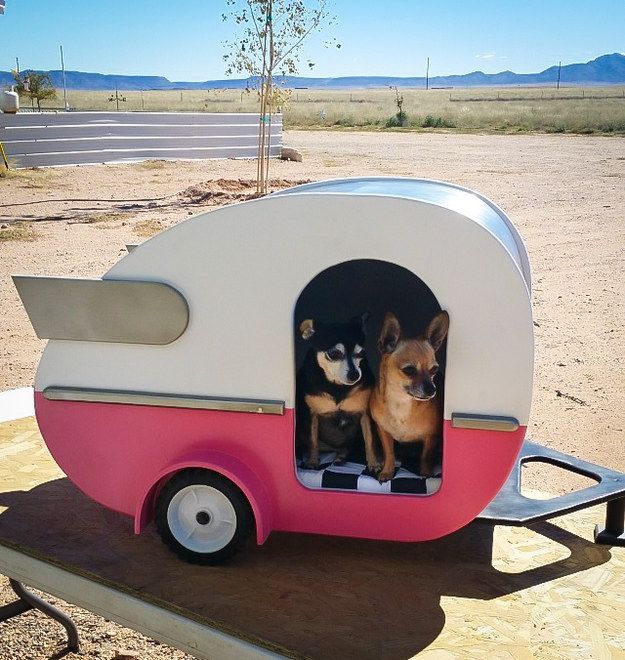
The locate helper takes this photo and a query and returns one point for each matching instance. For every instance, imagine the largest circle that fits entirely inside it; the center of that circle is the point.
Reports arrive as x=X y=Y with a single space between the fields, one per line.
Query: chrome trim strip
x=484 y=422
x=262 y=406
x=103 y=310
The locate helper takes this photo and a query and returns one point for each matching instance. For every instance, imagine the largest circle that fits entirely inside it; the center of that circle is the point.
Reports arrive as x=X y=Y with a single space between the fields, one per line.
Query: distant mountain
x=604 y=70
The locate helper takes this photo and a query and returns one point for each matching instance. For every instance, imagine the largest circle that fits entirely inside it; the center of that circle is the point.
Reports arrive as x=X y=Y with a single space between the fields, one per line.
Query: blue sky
x=182 y=40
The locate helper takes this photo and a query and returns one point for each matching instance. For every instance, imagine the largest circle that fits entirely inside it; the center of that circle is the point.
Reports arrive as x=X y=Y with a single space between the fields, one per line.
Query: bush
x=345 y=121
x=612 y=126
x=397 y=120
x=437 y=122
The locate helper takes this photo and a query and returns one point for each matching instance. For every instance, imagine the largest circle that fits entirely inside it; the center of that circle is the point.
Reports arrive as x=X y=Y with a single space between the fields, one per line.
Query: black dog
x=333 y=389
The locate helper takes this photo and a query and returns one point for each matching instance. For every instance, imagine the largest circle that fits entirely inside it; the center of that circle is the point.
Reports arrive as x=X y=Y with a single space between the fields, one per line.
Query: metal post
x=559 y=72
x=17 y=65
x=427 y=74
x=615 y=516
x=64 y=81
x=614 y=531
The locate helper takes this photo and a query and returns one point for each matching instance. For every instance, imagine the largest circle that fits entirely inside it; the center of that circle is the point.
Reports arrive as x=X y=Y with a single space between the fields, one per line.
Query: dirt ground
x=565 y=194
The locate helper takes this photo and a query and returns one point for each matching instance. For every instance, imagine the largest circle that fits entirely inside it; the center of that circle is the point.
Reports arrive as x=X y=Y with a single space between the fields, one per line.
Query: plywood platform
x=508 y=593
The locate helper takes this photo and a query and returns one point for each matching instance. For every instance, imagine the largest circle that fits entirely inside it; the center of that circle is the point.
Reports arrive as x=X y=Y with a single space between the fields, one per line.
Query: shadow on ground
x=315 y=596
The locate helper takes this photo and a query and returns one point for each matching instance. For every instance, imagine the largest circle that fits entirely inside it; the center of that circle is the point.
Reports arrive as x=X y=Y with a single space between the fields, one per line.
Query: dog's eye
x=334 y=355
x=410 y=370
x=434 y=370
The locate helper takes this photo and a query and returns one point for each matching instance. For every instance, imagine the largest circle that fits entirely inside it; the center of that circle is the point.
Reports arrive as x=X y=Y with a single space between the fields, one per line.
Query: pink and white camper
x=167 y=388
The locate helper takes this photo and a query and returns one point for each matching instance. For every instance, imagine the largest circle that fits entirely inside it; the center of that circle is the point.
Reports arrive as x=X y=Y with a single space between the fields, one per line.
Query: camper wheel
x=202 y=516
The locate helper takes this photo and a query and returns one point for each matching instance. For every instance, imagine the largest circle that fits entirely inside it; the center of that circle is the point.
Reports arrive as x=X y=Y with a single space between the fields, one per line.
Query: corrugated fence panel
x=77 y=138
x=135 y=155
x=161 y=118
x=153 y=143
x=13 y=133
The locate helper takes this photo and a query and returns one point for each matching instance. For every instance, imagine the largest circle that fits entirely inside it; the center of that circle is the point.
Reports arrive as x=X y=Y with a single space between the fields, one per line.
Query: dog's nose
x=429 y=389
x=352 y=377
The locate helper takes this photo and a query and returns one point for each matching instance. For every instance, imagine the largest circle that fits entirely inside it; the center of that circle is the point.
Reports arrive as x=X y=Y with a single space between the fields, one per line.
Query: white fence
x=76 y=138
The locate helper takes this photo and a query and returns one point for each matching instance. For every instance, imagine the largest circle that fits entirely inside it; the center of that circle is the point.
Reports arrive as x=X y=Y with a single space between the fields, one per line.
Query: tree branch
x=249 y=4
x=298 y=43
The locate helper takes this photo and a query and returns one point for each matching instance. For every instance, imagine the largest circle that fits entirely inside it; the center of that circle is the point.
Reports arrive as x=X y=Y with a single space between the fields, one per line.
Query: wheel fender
x=228 y=466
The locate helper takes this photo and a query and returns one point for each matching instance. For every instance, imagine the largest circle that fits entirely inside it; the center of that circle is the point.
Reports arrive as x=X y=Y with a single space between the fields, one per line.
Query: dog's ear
x=307 y=328
x=437 y=330
x=391 y=332
x=361 y=319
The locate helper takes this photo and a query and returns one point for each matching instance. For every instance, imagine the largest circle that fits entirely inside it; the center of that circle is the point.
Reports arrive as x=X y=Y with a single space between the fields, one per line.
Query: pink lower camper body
x=121 y=455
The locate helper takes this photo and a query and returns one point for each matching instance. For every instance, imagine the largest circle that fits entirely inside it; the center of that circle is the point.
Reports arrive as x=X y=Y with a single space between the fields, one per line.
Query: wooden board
x=515 y=593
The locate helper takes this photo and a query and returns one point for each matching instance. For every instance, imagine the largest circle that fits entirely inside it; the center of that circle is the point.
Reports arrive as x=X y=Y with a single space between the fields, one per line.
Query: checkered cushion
x=355 y=476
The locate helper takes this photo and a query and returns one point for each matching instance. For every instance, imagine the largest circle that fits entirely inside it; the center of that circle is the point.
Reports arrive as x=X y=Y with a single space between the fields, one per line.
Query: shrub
x=437 y=122
x=397 y=120
x=612 y=126
x=345 y=121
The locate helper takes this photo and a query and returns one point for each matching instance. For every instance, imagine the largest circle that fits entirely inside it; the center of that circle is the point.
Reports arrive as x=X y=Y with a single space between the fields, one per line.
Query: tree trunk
x=269 y=110
x=259 y=153
x=261 y=188
x=269 y=102
x=264 y=129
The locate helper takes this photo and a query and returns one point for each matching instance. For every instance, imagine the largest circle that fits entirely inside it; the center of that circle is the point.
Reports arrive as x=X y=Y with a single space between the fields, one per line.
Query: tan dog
x=405 y=404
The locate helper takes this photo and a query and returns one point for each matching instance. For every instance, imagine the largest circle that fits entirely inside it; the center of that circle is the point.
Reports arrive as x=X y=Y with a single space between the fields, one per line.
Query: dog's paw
x=374 y=468
x=338 y=461
x=311 y=465
x=386 y=475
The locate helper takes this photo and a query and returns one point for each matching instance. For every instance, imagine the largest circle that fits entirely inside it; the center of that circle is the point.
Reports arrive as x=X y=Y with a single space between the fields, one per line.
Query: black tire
x=209 y=539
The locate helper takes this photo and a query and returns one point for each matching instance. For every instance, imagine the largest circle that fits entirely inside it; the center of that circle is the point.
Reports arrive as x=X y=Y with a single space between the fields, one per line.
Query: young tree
x=270 y=36
x=37 y=86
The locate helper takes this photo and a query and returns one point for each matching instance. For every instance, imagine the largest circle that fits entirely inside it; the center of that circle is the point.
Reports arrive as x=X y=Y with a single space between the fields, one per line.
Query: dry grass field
x=507 y=110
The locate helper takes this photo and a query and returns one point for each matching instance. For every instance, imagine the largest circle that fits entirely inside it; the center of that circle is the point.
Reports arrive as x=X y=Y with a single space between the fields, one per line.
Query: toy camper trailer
x=168 y=387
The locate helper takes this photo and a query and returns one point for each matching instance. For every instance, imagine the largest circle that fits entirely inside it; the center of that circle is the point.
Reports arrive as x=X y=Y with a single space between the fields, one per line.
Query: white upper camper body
x=241 y=269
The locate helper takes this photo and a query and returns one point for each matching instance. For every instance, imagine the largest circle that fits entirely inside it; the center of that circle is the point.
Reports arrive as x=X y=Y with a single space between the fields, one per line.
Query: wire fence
x=549 y=96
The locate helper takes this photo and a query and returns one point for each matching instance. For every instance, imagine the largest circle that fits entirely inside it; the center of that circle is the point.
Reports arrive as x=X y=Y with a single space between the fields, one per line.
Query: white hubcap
x=201 y=518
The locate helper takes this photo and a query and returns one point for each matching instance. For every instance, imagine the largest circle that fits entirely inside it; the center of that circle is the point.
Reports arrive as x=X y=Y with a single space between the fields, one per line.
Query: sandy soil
x=565 y=194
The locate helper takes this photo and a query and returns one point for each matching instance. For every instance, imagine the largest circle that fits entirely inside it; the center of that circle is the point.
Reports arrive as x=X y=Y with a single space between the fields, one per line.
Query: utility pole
x=559 y=72
x=17 y=65
x=64 y=81
x=427 y=74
